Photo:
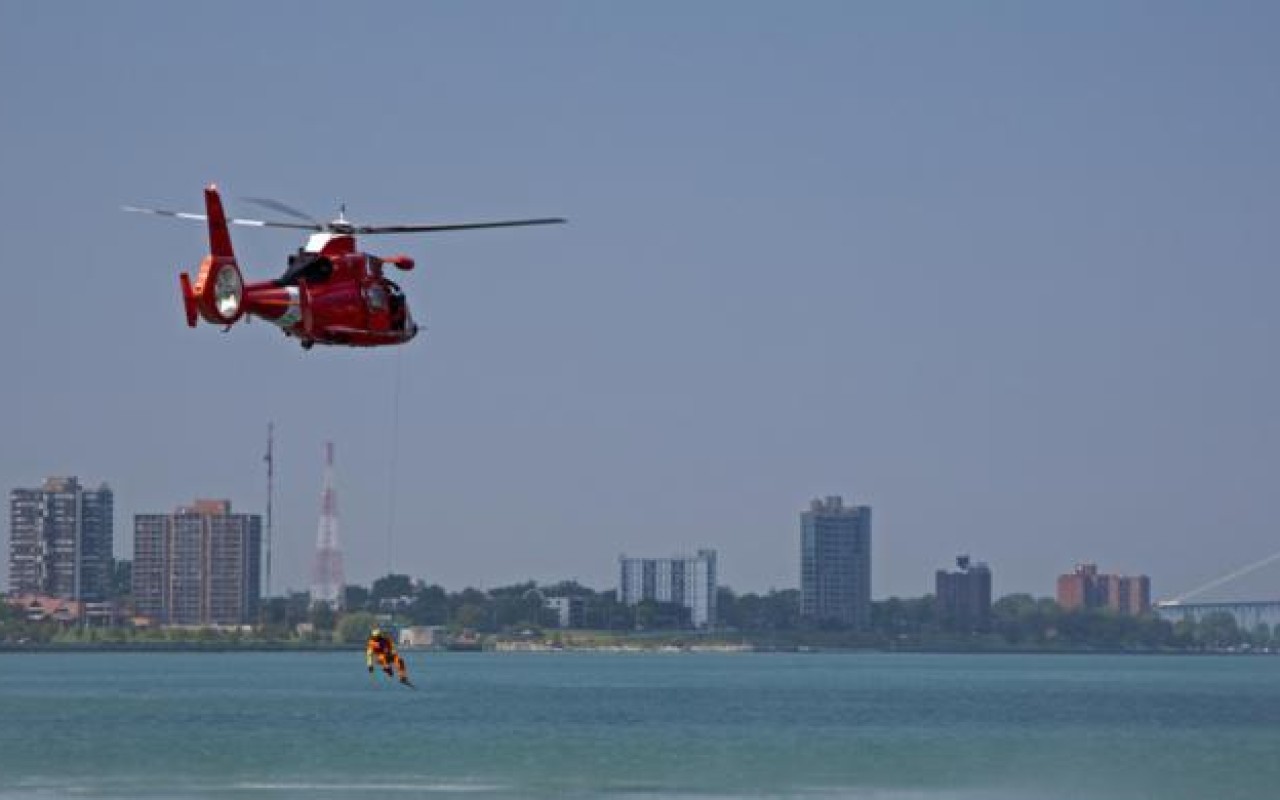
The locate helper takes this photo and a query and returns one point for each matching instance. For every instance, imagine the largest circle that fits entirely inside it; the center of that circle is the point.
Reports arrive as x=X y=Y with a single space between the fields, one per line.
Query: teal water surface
x=584 y=725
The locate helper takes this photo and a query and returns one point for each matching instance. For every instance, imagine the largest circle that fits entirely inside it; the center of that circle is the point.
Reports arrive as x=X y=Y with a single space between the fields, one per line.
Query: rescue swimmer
x=382 y=649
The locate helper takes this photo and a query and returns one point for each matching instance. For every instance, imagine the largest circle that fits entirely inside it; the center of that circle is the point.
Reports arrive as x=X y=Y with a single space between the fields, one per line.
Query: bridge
x=1248 y=614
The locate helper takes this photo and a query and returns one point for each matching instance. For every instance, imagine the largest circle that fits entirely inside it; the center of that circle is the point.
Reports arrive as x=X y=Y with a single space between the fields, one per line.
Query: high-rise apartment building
x=687 y=580
x=835 y=563
x=963 y=598
x=197 y=566
x=1086 y=588
x=60 y=539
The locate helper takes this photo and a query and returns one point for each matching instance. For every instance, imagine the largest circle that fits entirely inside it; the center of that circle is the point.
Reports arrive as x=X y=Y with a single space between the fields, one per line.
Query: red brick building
x=1086 y=588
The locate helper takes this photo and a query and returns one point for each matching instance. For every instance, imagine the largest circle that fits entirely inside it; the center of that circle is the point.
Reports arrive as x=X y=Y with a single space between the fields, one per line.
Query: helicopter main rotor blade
x=460 y=226
x=253 y=223
x=287 y=210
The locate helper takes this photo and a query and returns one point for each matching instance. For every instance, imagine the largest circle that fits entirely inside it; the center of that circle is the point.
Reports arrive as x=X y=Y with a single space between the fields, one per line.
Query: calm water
x=887 y=727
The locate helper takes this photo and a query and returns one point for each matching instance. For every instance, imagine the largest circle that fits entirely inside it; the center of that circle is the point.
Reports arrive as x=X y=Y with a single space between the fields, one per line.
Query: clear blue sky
x=1004 y=271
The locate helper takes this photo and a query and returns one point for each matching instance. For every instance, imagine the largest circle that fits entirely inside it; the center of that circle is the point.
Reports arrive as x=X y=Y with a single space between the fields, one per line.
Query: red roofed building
x=1086 y=588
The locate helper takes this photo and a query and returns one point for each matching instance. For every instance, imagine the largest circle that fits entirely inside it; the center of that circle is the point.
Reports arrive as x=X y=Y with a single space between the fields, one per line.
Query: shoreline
x=635 y=649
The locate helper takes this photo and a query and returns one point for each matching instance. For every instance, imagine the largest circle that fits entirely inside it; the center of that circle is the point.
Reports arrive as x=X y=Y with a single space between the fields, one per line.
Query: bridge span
x=1249 y=614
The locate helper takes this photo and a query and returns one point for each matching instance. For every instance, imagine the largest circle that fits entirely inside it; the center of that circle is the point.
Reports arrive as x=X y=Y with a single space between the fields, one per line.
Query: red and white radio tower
x=326 y=573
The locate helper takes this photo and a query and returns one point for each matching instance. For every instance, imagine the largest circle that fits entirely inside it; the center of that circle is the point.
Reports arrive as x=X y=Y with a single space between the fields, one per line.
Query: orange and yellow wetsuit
x=380 y=648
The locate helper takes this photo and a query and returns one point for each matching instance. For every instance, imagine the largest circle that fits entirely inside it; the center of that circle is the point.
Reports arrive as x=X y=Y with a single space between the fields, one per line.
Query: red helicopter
x=331 y=293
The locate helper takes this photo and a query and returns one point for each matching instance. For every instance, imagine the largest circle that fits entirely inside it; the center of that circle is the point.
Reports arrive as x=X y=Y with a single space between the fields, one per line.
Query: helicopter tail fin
x=219 y=236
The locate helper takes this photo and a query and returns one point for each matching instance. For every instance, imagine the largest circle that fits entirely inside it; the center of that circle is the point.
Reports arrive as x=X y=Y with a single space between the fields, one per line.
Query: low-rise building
x=570 y=612
x=41 y=608
x=423 y=636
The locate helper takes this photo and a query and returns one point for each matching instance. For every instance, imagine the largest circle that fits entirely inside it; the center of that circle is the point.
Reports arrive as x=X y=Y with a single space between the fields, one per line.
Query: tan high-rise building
x=197 y=566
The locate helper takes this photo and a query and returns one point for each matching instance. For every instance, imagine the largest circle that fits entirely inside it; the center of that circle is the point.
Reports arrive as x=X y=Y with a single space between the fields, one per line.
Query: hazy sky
x=1007 y=272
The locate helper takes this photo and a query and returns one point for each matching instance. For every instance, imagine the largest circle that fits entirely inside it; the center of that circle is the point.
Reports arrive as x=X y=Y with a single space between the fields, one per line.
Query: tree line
x=1017 y=621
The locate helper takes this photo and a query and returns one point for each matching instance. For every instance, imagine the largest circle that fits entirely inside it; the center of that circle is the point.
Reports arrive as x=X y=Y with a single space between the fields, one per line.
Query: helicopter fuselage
x=333 y=294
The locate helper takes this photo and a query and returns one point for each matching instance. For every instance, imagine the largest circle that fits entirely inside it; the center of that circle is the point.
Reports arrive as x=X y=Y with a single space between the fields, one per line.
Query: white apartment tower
x=687 y=580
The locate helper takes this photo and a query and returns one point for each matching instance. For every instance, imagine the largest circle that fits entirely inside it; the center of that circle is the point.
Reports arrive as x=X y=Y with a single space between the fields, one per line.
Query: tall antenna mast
x=271 y=475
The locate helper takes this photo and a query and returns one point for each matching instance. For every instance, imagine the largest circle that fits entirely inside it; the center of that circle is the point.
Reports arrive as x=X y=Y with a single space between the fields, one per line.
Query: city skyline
x=21 y=498
x=1002 y=272
x=54 y=484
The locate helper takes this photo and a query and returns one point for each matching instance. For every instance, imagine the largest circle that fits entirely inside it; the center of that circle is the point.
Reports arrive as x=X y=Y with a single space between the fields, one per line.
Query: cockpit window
x=376 y=296
x=311 y=267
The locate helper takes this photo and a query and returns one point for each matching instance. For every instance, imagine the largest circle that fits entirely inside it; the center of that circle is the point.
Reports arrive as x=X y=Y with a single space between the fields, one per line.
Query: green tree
x=659 y=615
x=390 y=587
x=323 y=617
x=727 y=608
x=1154 y=632
x=354 y=627
x=1184 y=633
x=468 y=615
x=1218 y=630
x=568 y=589
x=355 y=598
x=518 y=606
x=1022 y=619
x=430 y=607
x=476 y=604
x=898 y=617
x=775 y=611
x=605 y=612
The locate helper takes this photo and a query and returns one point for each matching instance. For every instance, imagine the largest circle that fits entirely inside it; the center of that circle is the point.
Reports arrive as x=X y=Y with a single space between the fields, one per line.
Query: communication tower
x=326 y=573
